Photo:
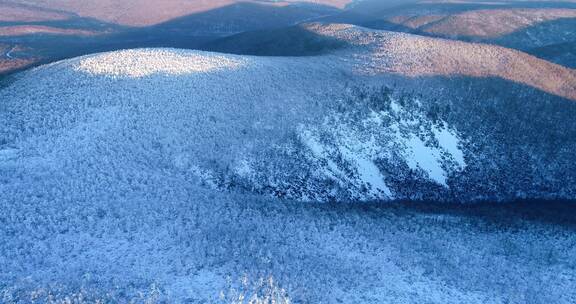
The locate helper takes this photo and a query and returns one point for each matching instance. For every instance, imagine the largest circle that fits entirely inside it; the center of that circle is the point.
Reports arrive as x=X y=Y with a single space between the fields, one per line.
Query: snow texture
x=179 y=176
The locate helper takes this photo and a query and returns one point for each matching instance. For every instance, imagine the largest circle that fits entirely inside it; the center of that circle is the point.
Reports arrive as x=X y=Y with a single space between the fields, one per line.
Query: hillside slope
x=182 y=176
x=284 y=132
x=392 y=53
x=521 y=25
x=49 y=31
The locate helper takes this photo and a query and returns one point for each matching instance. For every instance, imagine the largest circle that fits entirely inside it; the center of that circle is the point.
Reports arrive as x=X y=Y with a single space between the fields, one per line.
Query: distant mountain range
x=47 y=31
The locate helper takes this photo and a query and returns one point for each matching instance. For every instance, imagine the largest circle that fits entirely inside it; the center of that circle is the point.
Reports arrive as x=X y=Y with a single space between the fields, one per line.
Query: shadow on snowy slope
x=292 y=41
x=486 y=215
x=105 y=198
x=524 y=38
x=450 y=139
x=188 y=32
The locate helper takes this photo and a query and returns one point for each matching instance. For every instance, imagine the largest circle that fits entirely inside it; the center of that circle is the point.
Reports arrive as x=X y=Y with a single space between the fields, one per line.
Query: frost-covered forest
x=164 y=175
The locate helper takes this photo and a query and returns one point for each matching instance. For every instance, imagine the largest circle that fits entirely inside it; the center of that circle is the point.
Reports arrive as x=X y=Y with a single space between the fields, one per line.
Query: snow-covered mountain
x=541 y=28
x=161 y=173
x=288 y=128
x=305 y=128
x=35 y=32
x=136 y=13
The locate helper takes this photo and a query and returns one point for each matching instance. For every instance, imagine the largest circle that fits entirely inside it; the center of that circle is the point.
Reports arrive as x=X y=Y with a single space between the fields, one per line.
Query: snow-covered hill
x=155 y=170
x=284 y=127
x=301 y=128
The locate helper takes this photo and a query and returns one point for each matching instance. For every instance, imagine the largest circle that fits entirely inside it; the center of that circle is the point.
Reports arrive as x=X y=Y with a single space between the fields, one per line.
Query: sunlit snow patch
x=146 y=62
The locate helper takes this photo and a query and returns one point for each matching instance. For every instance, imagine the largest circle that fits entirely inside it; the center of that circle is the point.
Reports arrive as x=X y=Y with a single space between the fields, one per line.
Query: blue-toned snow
x=155 y=175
